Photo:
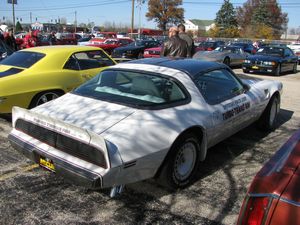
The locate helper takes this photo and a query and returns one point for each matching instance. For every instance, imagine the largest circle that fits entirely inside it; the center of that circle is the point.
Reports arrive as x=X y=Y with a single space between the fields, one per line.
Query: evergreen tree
x=18 y=26
x=226 y=16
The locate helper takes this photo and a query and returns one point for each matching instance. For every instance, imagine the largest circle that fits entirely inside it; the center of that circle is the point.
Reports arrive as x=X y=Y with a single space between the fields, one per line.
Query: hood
x=87 y=113
x=264 y=57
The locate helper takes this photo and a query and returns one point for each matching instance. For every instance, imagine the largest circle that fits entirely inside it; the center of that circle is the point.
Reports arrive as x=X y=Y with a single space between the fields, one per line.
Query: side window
x=92 y=59
x=72 y=64
x=288 y=52
x=218 y=85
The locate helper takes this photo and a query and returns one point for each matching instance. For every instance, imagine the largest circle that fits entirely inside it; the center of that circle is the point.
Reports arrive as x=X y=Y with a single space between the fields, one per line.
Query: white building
x=195 y=25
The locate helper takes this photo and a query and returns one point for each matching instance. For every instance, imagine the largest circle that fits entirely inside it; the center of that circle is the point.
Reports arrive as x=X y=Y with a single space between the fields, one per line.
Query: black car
x=247 y=47
x=273 y=60
x=5 y=50
x=135 y=50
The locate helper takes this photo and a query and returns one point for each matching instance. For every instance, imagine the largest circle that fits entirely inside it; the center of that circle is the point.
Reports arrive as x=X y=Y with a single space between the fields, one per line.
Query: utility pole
x=13 y=11
x=30 y=17
x=75 y=21
x=132 y=18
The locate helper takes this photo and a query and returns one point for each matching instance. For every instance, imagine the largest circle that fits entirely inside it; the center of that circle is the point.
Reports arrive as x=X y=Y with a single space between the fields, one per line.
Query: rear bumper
x=74 y=174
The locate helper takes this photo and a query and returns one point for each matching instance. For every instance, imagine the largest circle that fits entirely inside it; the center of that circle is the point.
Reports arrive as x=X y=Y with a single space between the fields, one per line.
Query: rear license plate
x=255 y=67
x=47 y=163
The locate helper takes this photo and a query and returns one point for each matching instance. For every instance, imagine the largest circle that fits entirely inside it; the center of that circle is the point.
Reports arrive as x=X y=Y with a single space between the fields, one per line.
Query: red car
x=274 y=195
x=109 y=45
x=152 y=52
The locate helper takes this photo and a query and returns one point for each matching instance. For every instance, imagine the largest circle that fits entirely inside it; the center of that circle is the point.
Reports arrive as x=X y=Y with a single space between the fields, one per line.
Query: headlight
x=269 y=63
x=146 y=52
x=247 y=61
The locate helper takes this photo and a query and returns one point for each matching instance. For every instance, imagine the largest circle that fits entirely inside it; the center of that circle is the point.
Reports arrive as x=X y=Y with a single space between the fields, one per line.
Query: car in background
x=33 y=76
x=209 y=45
x=146 y=118
x=152 y=52
x=5 y=50
x=134 y=50
x=274 y=60
x=84 y=40
x=110 y=44
x=295 y=47
x=229 y=55
x=247 y=47
x=273 y=196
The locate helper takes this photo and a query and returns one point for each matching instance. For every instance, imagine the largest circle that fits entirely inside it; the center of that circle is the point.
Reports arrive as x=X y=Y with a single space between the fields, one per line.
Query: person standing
x=10 y=39
x=175 y=46
x=190 y=42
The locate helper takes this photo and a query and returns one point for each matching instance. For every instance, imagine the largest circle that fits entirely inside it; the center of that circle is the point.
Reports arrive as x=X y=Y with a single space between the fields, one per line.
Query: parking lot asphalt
x=31 y=195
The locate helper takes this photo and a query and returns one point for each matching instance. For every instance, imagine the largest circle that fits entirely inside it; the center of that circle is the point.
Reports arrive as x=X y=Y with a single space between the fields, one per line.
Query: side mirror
x=246 y=87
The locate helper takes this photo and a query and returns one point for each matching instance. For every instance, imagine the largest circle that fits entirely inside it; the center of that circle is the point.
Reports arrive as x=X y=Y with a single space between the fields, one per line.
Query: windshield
x=23 y=59
x=270 y=51
x=131 y=88
x=225 y=49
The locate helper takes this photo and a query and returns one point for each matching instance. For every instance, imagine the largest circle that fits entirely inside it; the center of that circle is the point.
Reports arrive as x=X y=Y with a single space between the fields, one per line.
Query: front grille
x=63 y=143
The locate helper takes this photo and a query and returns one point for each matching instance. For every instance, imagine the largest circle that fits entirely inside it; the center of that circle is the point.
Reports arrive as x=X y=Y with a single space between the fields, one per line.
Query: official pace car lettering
x=51 y=126
x=235 y=107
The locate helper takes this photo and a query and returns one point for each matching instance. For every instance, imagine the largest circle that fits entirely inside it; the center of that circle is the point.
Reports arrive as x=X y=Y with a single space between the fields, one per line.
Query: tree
x=226 y=22
x=226 y=16
x=18 y=26
x=265 y=13
x=165 y=12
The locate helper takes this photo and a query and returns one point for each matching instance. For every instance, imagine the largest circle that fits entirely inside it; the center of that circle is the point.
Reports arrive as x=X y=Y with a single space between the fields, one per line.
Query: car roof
x=192 y=67
x=59 y=48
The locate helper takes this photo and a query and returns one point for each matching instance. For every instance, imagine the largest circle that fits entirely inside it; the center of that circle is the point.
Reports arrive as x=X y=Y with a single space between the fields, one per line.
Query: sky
x=119 y=12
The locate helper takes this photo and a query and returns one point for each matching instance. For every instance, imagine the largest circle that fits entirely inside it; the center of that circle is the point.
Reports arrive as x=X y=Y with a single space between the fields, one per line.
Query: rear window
x=23 y=59
x=133 y=88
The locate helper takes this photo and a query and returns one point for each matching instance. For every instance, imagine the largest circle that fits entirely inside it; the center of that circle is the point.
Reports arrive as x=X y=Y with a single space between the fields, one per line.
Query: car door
x=289 y=59
x=228 y=104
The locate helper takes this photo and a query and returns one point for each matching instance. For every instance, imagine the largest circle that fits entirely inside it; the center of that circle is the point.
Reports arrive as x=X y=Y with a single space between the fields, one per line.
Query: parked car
x=5 y=50
x=247 y=47
x=134 y=50
x=273 y=196
x=209 y=45
x=84 y=40
x=110 y=44
x=34 y=76
x=229 y=55
x=274 y=60
x=296 y=49
x=146 y=118
x=152 y=52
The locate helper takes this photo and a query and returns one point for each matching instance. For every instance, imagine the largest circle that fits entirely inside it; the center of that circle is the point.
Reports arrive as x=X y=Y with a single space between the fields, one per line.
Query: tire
x=227 y=61
x=278 y=70
x=268 y=119
x=295 y=68
x=140 y=55
x=44 y=97
x=245 y=71
x=180 y=166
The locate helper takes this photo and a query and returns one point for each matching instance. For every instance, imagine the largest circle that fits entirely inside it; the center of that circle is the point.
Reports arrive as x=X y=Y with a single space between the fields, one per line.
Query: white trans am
x=141 y=119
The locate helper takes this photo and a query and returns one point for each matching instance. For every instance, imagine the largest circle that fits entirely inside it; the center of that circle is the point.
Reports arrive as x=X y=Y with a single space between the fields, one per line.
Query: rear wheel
x=227 y=61
x=44 y=97
x=181 y=164
x=269 y=117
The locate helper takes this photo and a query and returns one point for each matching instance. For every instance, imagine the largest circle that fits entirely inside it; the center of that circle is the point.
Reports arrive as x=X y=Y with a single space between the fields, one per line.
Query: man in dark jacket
x=188 y=39
x=174 y=47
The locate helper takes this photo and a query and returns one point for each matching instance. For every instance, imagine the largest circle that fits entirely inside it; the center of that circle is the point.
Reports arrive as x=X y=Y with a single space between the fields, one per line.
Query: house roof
x=202 y=22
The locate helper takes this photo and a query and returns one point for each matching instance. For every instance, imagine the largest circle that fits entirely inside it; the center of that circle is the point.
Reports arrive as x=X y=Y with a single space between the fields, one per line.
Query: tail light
x=209 y=49
x=255 y=210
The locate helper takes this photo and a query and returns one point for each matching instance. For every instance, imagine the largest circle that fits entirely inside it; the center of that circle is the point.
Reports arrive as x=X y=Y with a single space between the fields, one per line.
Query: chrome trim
x=290 y=202
x=258 y=195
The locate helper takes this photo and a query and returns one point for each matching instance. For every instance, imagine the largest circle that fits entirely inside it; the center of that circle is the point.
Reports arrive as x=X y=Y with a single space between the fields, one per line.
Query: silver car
x=142 y=119
x=229 y=55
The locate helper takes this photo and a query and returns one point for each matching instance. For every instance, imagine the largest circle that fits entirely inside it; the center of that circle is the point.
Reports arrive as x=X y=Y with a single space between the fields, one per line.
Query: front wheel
x=295 y=68
x=181 y=163
x=44 y=97
x=278 y=70
x=227 y=61
x=269 y=117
